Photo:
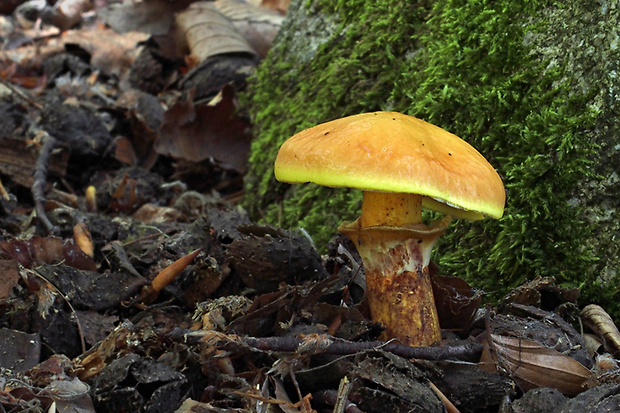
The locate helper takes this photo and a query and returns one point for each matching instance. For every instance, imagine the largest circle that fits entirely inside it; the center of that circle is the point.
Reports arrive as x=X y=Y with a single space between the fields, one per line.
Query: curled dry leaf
x=457 y=302
x=207 y=32
x=65 y=14
x=154 y=17
x=38 y=250
x=9 y=277
x=195 y=133
x=83 y=239
x=280 y=6
x=166 y=276
x=533 y=365
x=601 y=324
x=110 y=52
x=258 y=26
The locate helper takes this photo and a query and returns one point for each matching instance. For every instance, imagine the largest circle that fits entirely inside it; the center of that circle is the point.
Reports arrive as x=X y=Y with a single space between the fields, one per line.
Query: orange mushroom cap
x=392 y=152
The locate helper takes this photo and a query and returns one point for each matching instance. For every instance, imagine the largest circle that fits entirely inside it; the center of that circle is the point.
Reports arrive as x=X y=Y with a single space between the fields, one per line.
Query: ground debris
x=130 y=181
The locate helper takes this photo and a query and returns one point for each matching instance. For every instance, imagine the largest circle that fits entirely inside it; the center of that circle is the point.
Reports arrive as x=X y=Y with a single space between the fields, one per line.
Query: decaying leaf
x=166 y=276
x=197 y=132
x=153 y=17
x=266 y=256
x=9 y=277
x=18 y=158
x=215 y=315
x=144 y=113
x=208 y=32
x=110 y=52
x=18 y=350
x=38 y=250
x=457 y=302
x=533 y=365
x=541 y=292
x=597 y=319
x=280 y=6
x=83 y=239
x=259 y=26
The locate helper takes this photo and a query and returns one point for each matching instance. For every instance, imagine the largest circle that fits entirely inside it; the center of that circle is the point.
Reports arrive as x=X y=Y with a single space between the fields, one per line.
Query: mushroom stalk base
x=398 y=285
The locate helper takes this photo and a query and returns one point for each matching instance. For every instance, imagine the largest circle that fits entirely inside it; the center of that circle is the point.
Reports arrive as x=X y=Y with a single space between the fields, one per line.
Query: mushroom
x=401 y=163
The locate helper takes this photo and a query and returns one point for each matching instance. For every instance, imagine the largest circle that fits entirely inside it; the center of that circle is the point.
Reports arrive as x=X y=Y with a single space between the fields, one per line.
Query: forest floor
x=132 y=280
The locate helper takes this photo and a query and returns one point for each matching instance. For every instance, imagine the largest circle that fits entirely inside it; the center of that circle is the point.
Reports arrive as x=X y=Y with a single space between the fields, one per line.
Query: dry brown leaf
x=154 y=17
x=152 y=214
x=66 y=14
x=18 y=158
x=38 y=250
x=124 y=151
x=110 y=52
x=9 y=277
x=533 y=365
x=73 y=9
x=258 y=26
x=195 y=133
x=597 y=319
x=456 y=301
x=281 y=6
x=83 y=239
x=282 y=399
x=207 y=32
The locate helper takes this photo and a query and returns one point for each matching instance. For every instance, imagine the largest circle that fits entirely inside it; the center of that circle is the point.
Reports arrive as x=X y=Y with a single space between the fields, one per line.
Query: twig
x=292 y=344
x=342 y=399
x=331 y=397
x=21 y=94
x=40 y=178
x=328 y=345
x=450 y=407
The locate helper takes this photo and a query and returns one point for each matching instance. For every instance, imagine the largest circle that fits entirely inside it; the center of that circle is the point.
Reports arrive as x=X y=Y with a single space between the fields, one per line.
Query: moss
x=484 y=70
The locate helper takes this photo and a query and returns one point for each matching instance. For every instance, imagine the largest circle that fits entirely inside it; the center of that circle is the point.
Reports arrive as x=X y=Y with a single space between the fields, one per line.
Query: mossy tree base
x=532 y=85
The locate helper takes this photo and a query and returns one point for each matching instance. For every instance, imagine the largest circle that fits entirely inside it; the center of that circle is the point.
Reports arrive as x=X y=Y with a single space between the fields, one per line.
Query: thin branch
x=48 y=143
x=314 y=344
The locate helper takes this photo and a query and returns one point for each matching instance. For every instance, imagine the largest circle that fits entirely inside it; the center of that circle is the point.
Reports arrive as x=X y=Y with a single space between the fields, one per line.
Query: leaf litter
x=149 y=289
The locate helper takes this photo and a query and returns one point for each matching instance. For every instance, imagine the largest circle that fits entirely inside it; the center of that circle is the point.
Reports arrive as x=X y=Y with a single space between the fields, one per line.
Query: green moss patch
x=475 y=68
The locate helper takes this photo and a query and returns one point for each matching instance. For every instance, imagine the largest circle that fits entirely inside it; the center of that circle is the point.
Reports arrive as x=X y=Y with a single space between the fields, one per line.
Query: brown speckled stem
x=398 y=285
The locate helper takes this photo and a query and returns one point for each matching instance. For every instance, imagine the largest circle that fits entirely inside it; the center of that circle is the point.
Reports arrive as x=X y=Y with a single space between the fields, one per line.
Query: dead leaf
x=9 y=277
x=8 y=6
x=18 y=158
x=83 y=239
x=111 y=53
x=195 y=133
x=17 y=76
x=19 y=351
x=207 y=32
x=144 y=113
x=95 y=326
x=259 y=26
x=38 y=250
x=597 y=319
x=124 y=151
x=73 y=10
x=152 y=214
x=457 y=302
x=533 y=365
x=154 y=17
x=280 y=6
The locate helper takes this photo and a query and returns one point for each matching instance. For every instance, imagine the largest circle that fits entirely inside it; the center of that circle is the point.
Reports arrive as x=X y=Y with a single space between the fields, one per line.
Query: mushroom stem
x=398 y=284
x=390 y=209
